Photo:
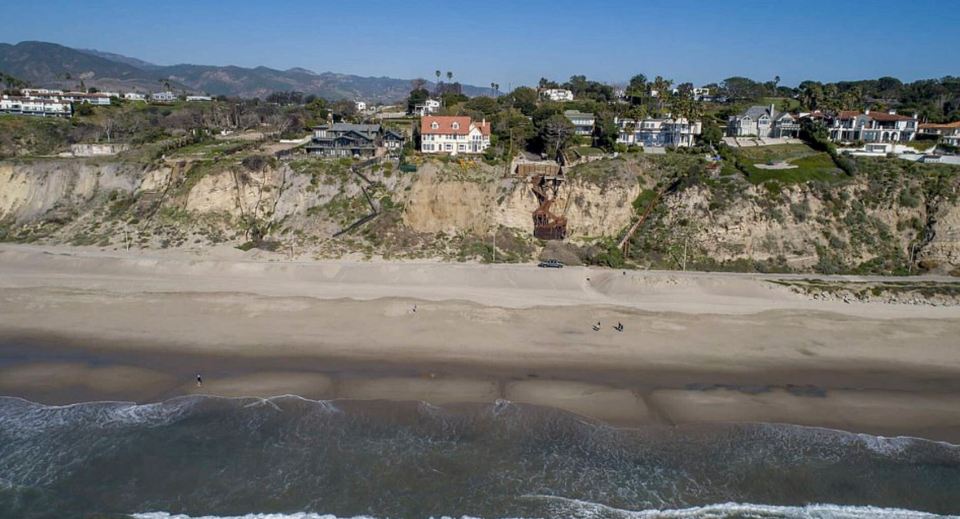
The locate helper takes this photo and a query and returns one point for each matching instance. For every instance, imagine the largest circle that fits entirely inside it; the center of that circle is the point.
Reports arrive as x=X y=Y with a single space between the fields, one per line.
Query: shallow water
x=209 y=456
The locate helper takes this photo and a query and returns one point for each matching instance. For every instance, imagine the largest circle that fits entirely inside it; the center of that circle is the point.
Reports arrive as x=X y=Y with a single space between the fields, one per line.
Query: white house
x=31 y=106
x=764 y=122
x=658 y=133
x=556 y=94
x=583 y=122
x=134 y=96
x=163 y=97
x=430 y=106
x=702 y=94
x=453 y=135
x=99 y=99
x=40 y=92
x=361 y=106
x=196 y=99
x=850 y=126
x=949 y=133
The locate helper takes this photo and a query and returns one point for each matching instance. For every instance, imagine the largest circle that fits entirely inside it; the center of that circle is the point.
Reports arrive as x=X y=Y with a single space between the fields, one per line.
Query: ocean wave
x=576 y=509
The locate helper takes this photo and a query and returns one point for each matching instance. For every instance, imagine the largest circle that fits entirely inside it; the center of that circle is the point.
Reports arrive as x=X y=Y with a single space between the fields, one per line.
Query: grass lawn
x=811 y=164
x=587 y=151
x=818 y=166
x=777 y=153
x=921 y=145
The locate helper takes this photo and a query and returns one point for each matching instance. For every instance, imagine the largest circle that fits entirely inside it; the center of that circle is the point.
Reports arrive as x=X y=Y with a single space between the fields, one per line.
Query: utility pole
x=494 y=244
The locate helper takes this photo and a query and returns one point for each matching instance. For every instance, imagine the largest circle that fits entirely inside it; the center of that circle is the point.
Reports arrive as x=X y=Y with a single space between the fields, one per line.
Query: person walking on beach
x=596 y=327
x=619 y=326
x=199 y=380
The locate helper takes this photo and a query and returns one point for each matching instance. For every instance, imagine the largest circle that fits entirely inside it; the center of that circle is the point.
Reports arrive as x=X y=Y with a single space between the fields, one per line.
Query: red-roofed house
x=949 y=133
x=453 y=134
x=850 y=126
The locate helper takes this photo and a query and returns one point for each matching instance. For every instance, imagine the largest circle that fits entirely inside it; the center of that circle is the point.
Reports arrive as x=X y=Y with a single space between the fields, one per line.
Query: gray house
x=763 y=121
x=346 y=140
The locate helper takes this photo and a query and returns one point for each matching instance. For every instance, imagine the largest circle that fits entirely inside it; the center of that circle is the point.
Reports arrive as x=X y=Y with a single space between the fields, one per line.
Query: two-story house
x=583 y=122
x=949 y=133
x=33 y=106
x=430 y=106
x=658 y=133
x=453 y=134
x=346 y=140
x=764 y=122
x=163 y=97
x=556 y=94
x=850 y=126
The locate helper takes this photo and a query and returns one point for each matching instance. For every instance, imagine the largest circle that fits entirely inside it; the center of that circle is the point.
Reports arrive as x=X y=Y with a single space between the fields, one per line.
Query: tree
x=741 y=88
x=486 y=106
x=449 y=76
x=605 y=132
x=524 y=98
x=418 y=96
x=637 y=89
x=546 y=83
x=662 y=87
x=555 y=133
x=711 y=133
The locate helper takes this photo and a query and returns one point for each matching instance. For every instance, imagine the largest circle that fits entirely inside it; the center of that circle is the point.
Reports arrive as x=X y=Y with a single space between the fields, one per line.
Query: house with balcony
x=556 y=94
x=583 y=122
x=453 y=135
x=948 y=133
x=135 y=96
x=430 y=106
x=658 y=133
x=852 y=126
x=346 y=140
x=763 y=122
x=163 y=97
x=22 y=105
x=393 y=139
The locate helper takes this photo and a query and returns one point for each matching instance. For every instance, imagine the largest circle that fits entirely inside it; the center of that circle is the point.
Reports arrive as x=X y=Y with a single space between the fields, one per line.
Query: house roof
x=876 y=116
x=445 y=125
x=349 y=127
x=756 y=111
x=940 y=126
x=884 y=116
x=577 y=113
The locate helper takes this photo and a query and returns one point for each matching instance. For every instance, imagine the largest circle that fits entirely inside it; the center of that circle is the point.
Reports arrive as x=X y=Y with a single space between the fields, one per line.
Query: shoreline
x=697 y=348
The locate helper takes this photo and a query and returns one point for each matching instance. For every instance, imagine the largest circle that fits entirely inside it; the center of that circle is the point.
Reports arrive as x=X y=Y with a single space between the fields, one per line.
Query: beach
x=81 y=325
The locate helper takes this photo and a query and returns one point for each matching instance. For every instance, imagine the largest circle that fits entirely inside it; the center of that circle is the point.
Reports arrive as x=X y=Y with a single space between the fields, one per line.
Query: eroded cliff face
x=446 y=203
x=895 y=221
x=31 y=189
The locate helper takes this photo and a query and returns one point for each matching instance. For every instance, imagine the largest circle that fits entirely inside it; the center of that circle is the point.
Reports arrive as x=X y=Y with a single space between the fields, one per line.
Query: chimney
x=772 y=116
x=893 y=112
x=866 y=112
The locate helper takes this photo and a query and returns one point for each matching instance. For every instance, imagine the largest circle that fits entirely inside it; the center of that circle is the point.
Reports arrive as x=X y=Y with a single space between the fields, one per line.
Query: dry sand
x=82 y=325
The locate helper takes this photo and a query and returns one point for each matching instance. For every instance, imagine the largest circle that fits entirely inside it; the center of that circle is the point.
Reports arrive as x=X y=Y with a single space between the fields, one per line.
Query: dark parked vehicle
x=551 y=264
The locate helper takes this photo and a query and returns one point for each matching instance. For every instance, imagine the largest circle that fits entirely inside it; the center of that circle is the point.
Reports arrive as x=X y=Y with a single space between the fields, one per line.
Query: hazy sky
x=517 y=42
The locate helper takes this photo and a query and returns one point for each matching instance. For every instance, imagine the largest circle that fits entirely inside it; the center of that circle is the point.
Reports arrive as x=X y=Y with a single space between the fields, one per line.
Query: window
x=448 y=147
x=455 y=125
x=461 y=147
x=434 y=125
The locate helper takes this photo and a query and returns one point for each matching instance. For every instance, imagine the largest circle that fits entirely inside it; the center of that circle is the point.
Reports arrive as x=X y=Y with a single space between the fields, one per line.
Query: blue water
x=206 y=456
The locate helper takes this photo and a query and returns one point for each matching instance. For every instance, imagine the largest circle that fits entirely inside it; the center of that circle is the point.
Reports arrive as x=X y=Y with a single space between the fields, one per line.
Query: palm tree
x=449 y=76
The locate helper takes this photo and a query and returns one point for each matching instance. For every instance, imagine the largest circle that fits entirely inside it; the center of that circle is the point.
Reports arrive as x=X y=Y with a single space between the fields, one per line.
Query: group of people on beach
x=618 y=327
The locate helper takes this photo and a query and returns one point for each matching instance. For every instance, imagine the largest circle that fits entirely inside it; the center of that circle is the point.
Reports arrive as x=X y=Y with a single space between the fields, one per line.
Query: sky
x=519 y=41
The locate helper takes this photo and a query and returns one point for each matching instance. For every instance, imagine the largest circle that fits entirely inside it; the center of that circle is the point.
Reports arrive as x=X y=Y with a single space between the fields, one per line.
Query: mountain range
x=44 y=64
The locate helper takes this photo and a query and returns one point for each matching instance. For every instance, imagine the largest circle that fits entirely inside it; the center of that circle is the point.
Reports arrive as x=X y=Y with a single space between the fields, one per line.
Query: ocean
x=293 y=458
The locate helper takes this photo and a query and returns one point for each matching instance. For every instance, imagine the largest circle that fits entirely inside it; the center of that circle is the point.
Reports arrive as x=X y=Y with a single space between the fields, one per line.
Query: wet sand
x=77 y=326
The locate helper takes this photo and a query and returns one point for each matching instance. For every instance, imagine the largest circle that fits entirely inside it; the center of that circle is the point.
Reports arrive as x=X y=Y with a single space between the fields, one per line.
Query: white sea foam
x=585 y=509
